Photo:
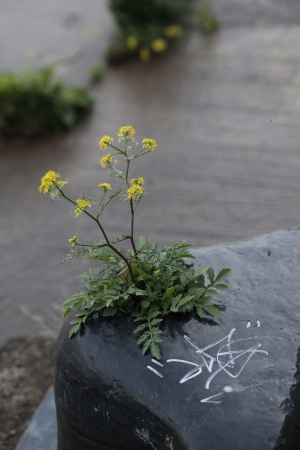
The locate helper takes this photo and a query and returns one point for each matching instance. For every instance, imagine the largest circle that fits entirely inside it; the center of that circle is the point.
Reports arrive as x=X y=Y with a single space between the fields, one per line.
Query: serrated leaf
x=74 y=330
x=211 y=274
x=212 y=310
x=156 y=321
x=140 y=328
x=146 y=346
x=223 y=274
x=110 y=311
x=155 y=351
x=143 y=338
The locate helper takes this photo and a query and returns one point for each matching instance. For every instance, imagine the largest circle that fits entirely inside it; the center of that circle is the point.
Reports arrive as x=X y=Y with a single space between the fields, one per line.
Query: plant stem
x=131 y=210
x=104 y=235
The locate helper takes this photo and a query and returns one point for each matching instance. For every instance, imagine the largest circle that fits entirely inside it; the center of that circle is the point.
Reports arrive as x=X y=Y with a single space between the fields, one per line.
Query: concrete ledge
x=41 y=433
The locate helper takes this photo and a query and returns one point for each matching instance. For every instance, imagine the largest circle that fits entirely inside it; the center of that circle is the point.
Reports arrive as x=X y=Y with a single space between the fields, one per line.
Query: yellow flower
x=105 y=141
x=137 y=181
x=73 y=241
x=149 y=144
x=132 y=42
x=48 y=181
x=82 y=204
x=62 y=183
x=144 y=54
x=105 y=186
x=159 y=45
x=108 y=159
x=134 y=191
x=126 y=133
x=173 y=31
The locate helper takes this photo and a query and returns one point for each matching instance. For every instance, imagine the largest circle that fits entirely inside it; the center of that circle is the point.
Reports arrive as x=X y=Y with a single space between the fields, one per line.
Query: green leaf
x=205 y=300
x=221 y=287
x=110 y=311
x=200 y=311
x=74 y=330
x=104 y=205
x=223 y=274
x=200 y=269
x=212 y=292
x=155 y=351
x=185 y=300
x=145 y=304
x=212 y=310
x=140 y=328
x=211 y=274
x=146 y=346
x=169 y=292
x=143 y=337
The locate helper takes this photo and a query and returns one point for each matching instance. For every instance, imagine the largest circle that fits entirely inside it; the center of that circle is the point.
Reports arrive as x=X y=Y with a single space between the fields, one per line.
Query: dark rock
x=109 y=396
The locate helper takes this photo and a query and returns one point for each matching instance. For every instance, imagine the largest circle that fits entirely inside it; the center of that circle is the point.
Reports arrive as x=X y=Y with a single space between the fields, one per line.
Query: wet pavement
x=223 y=109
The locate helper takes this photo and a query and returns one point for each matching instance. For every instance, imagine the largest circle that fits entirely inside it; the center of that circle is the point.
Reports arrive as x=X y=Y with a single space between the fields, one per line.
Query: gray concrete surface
x=41 y=433
x=223 y=109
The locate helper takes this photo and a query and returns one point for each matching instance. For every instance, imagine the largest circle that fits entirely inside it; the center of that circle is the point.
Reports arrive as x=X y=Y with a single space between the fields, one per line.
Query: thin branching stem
x=104 y=234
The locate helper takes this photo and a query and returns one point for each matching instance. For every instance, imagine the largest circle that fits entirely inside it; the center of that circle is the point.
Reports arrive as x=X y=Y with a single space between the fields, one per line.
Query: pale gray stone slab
x=41 y=433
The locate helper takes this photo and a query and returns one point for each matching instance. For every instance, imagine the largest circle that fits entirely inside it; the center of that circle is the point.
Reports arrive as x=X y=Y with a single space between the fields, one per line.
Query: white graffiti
x=225 y=359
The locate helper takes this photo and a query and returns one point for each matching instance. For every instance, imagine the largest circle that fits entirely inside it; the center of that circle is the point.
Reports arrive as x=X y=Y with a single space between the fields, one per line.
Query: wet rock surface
x=226 y=383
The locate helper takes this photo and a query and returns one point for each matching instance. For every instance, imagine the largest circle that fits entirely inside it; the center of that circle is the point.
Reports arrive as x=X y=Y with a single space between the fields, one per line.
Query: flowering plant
x=146 y=282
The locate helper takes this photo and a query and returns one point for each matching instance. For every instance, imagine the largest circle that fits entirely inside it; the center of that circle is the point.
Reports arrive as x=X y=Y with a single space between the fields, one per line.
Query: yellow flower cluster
x=106 y=160
x=82 y=204
x=73 y=241
x=48 y=181
x=173 y=31
x=149 y=144
x=139 y=181
x=135 y=190
x=132 y=42
x=104 y=186
x=126 y=133
x=159 y=45
x=105 y=141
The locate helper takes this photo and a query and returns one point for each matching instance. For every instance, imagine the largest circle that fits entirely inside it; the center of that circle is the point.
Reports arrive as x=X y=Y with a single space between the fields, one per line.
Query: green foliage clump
x=32 y=103
x=146 y=282
x=146 y=27
x=206 y=19
x=162 y=285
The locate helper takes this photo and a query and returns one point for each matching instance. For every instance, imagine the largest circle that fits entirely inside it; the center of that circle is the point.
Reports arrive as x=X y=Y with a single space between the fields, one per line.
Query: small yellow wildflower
x=173 y=31
x=138 y=181
x=132 y=42
x=134 y=191
x=149 y=144
x=144 y=54
x=62 y=183
x=104 y=186
x=73 y=241
x=105 y=141
x=159 y=45
x=48 y=181
x=126 y=133
x=108 y=159
x=82 y=204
